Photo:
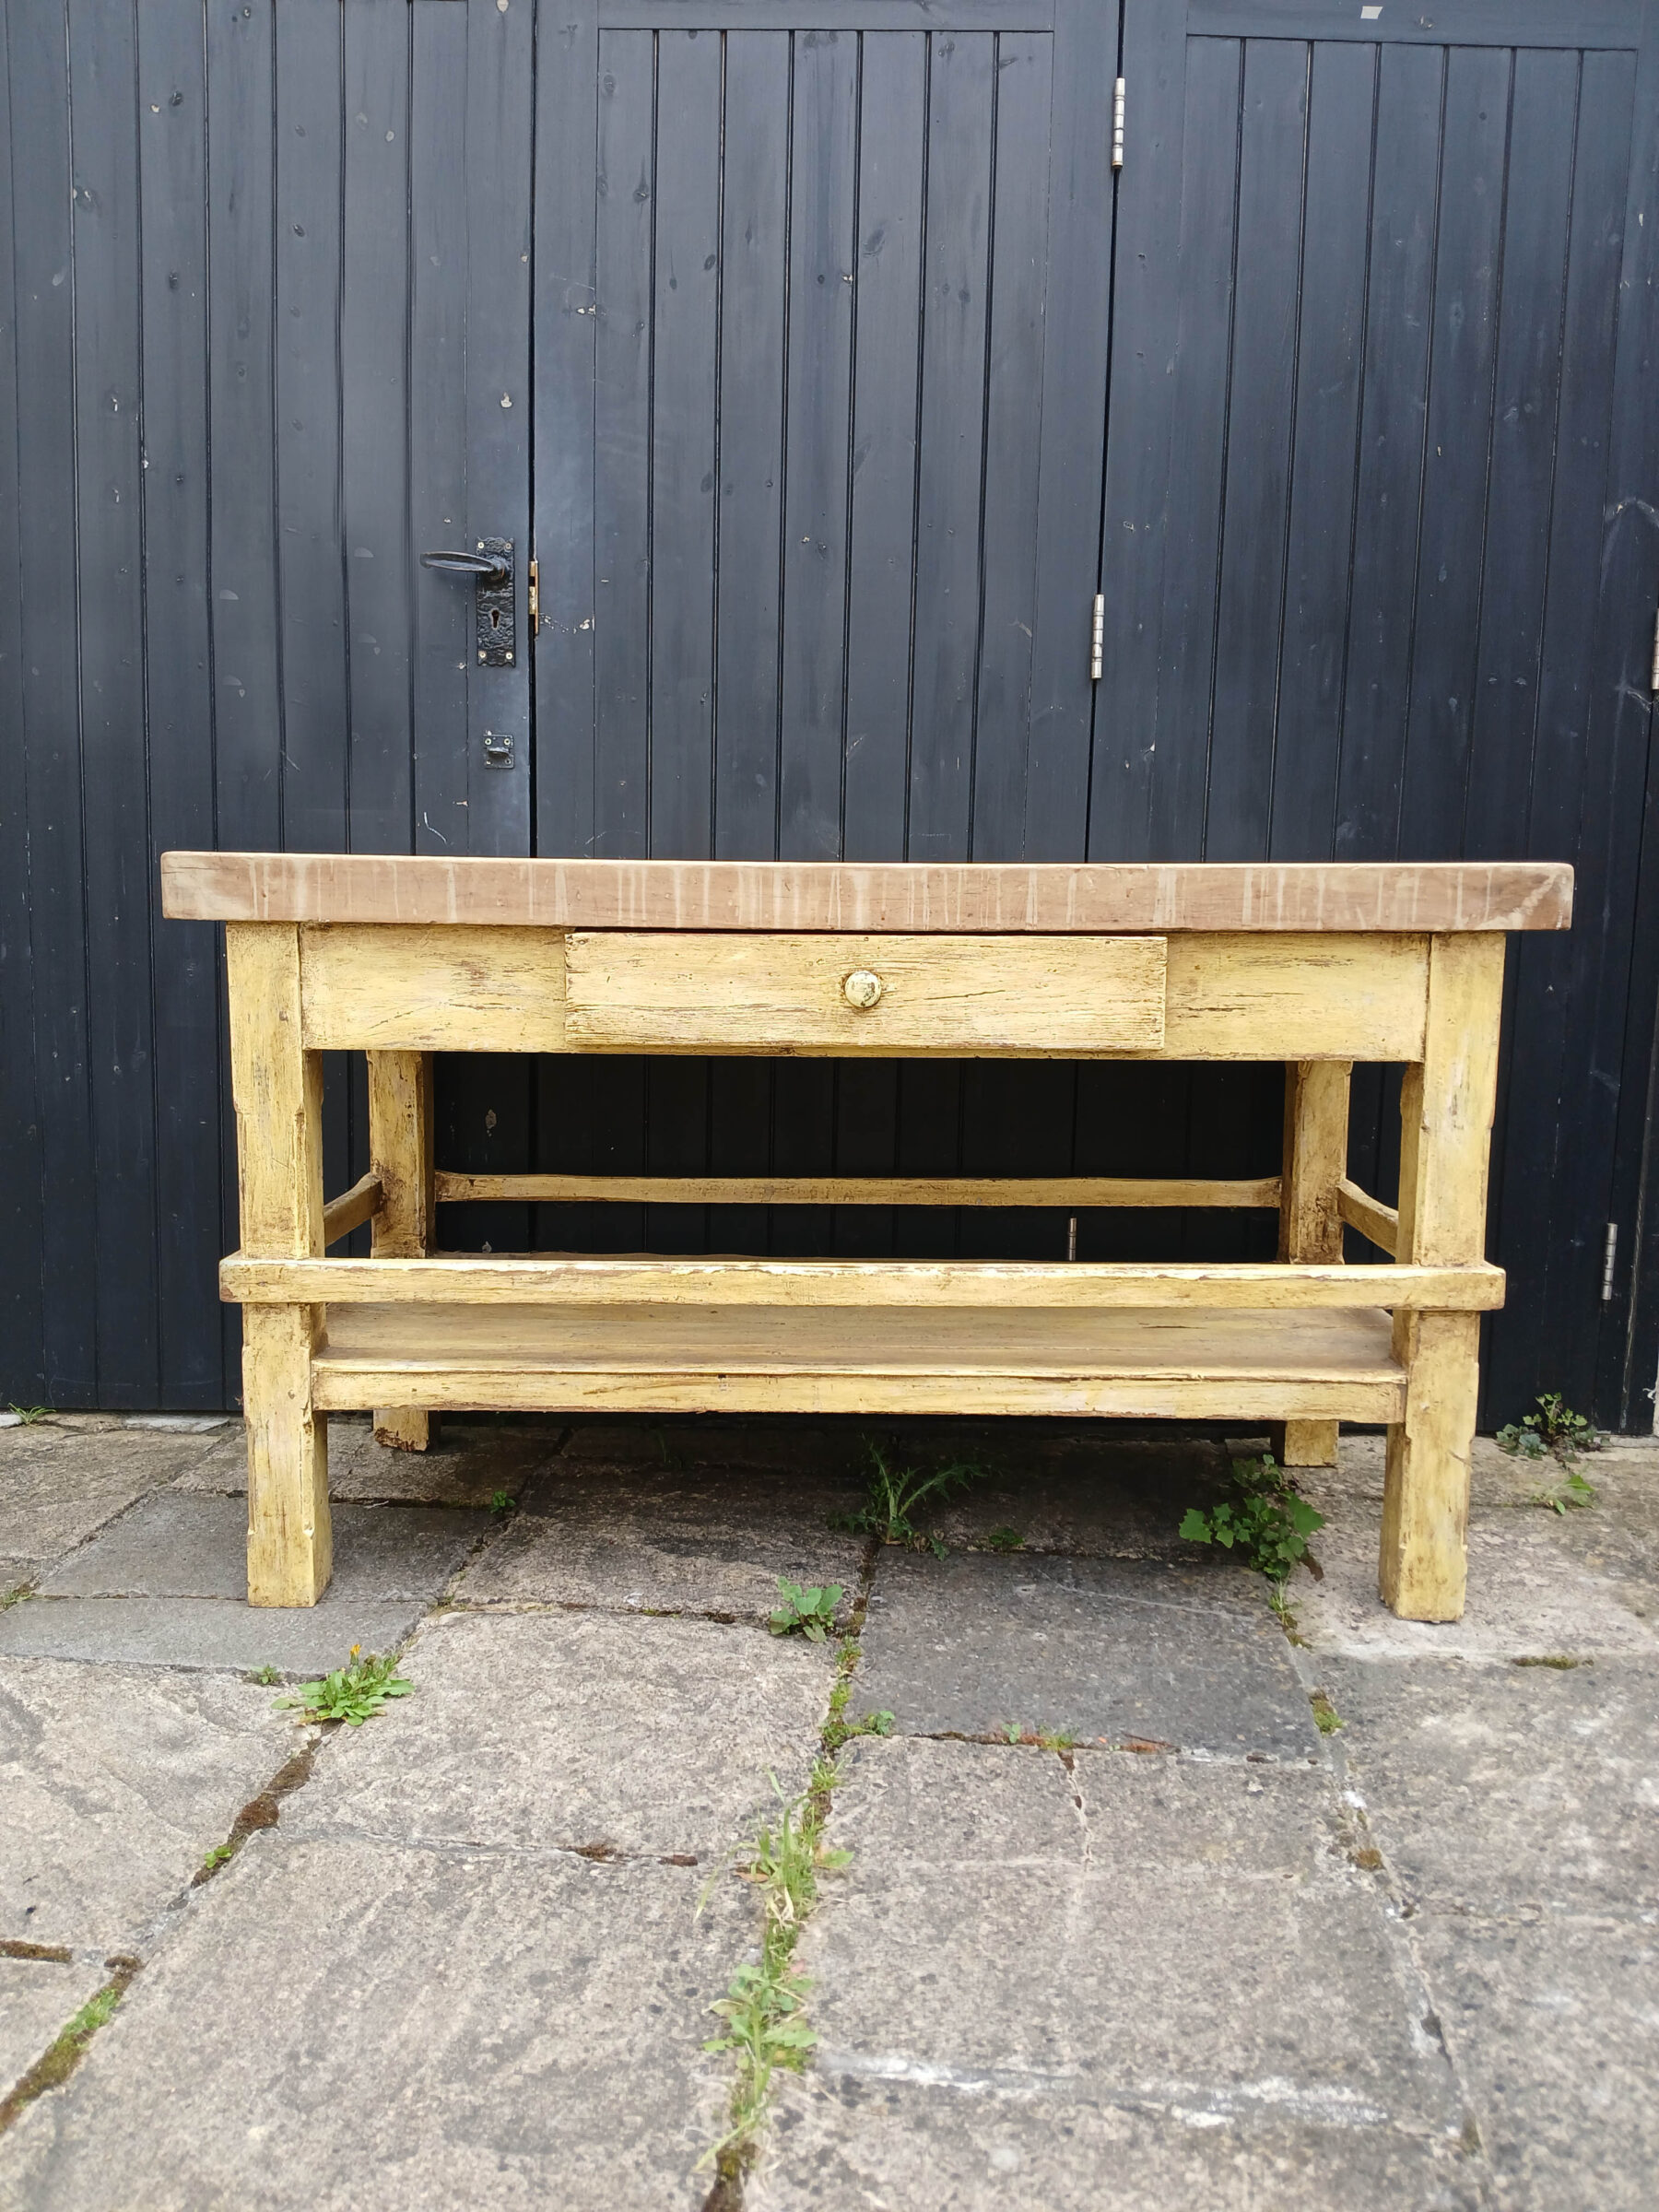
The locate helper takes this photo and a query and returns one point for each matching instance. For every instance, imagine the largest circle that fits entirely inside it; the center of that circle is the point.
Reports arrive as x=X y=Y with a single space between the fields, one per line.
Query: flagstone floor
x=1121 y=1926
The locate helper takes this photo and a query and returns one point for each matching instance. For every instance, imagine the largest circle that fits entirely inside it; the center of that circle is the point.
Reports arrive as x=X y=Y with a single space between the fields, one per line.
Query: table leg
x=1315 y=1159
x=290 y=1539
x=1445 y=1134
x=400 y=1146
x=277 y=1087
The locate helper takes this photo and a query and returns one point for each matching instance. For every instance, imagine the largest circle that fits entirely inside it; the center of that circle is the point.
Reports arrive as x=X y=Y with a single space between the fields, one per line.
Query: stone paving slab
x=114 y=1784
x=1087 y=1497
x=1526 y=1593
x=58 y=1485
x=172 y=1546
x=347 y=2027
x=1104 y=1649
x=38 y=1997
x=1554 y=2023
x=197 y=1632
x=979 y=2144
x=1499 y=1787
x=644 y=1539
x=543 y=1731
x=472 y=1460
x=1012 y=1929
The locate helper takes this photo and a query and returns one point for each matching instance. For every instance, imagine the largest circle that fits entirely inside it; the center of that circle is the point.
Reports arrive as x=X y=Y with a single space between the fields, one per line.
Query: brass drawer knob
x=863 y=988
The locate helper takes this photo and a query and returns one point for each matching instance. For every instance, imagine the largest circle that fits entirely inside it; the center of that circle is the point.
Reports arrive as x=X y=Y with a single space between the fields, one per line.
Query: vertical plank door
x=1376 y=584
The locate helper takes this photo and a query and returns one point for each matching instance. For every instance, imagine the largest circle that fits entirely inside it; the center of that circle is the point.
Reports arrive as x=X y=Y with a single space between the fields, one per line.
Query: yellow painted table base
x=1314 y=967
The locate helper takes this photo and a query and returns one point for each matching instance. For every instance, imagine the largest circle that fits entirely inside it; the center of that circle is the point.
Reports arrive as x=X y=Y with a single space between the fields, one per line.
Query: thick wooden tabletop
x=1415 y=895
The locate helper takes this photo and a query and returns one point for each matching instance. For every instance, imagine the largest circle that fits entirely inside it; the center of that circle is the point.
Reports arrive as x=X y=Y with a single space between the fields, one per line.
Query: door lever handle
x=494 y=596
x=466 y=564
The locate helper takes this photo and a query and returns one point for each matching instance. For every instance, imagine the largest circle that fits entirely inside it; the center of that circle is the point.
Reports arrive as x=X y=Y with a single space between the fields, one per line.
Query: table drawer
x=689 y=991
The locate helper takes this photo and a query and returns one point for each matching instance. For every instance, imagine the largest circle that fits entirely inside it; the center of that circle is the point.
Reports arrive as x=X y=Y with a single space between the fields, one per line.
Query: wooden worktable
x=1315 y=966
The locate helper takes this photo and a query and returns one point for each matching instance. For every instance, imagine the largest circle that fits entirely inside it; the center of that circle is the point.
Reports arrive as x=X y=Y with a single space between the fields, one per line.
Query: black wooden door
x=1377 y=575
x=266 y=300
x=822 y=338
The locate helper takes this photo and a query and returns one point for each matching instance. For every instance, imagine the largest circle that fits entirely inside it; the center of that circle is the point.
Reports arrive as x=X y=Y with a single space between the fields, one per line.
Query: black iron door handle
x=494 y=596
x=466 y=564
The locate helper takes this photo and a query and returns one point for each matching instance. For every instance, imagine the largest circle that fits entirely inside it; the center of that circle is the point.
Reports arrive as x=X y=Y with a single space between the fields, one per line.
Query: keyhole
x=495 y=617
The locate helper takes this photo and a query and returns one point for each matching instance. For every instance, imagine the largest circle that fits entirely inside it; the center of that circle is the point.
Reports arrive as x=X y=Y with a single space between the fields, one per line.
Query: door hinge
x=1097 y=640
x=1117 y=124
x=1609 y=1253
x=535 y=599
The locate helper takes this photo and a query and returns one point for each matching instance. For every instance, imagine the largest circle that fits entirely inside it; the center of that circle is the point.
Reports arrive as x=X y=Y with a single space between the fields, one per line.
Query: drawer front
x=687 y=991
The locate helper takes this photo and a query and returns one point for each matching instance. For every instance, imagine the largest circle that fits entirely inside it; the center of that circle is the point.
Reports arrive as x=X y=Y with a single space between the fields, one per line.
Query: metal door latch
x=491 y=571
x=498 y=751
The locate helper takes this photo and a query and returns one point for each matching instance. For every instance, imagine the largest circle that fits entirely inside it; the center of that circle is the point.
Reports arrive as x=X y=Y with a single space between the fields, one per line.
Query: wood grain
x=277 y=1087
x=574 y=1280
x=1373 y=1219
x=463 y=988
x=431 y=989
x=669 y=894
x=1445 y=1129
x=1073 y=1192
x=1049 y=997
x=351 y=1208
x=653 y=1358
x=400 y=1143
x=1316 y=1130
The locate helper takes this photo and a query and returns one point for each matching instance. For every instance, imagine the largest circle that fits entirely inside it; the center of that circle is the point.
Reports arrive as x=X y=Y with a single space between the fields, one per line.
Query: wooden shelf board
x=1232 y=1365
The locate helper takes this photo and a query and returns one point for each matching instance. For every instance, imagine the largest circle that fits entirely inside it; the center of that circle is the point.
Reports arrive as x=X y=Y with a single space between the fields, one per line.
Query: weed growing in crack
x=220 y=1855
x=1555 y=1431
x=762 y=2010
x=763 y=2003
x=1042 y=1739
x=59 y=2061
x=806 y=1611
x=1266 y=1520
x=28 y=1416
x=1003 y=1539
x=267 y=1676
x=502 y=1504
x=1573 y=1492
x=839 y=1730
x=1326 y=1718
x=897 y=1494
x=1284 y=1612
x=13 y=1594
x=354 y=1692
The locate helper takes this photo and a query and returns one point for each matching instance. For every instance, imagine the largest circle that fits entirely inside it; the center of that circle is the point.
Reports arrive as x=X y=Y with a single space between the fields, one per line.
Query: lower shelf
x=1227 y=1365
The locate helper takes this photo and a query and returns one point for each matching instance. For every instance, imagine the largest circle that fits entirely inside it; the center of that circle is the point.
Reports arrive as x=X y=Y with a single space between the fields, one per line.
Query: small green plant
x=1004 y=1539
x=1563 y=1662
x=839 y=1730
x=1564 y=1496
x=354 y=1692
x=220 y=1855
x=896 y=1494
x=28 y=1416
x=1285 y=1613
x=502 y=1504
x=1042 y=1739
x=1555 y=1431
x=1266 y=1520
x=804 y=1611
x=763 y=2002
x=1326 y=1718
x=13 y=1594
x=267 y=1676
